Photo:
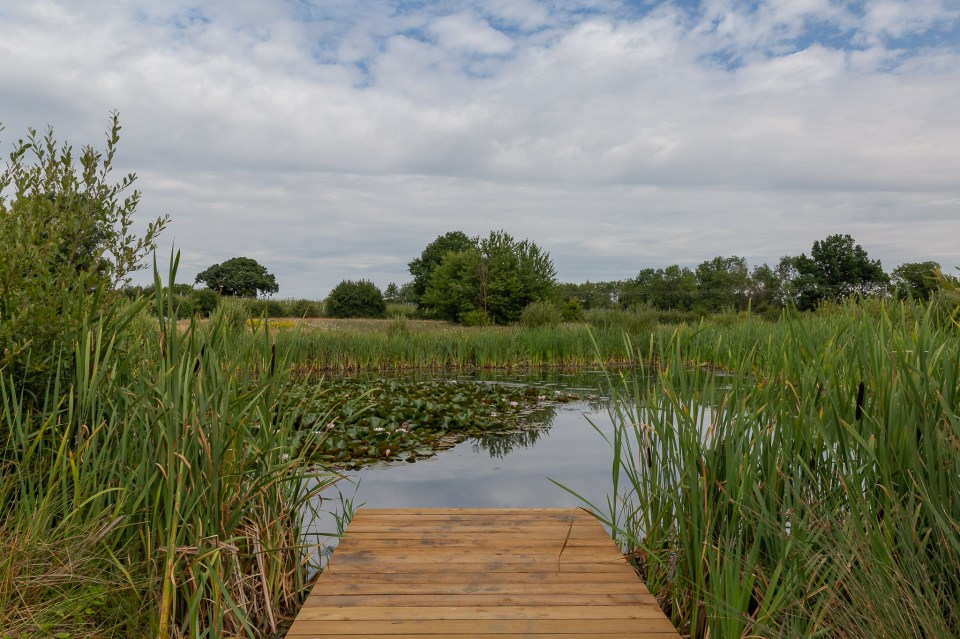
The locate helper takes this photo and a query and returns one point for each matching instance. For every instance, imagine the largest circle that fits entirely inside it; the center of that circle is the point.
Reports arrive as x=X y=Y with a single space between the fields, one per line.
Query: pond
x=506 y=471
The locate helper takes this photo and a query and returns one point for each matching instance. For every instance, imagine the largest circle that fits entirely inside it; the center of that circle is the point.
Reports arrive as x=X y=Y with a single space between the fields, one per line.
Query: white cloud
x=337 y=141
x=466 y=32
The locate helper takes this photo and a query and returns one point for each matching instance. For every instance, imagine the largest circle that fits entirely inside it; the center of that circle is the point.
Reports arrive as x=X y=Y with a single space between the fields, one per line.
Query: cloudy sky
x=334 y=139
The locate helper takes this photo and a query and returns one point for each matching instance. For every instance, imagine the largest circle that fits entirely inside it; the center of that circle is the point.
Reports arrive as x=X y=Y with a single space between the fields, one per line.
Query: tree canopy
x=837 y=268
x=496 y=276
x=918 y=280
x=239 y=277
x=422 y=268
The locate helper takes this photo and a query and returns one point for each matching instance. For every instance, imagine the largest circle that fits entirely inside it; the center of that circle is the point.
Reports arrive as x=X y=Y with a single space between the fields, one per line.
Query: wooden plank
x=345 y=613
x=329 y=587
x=425 y=627
x=549 y=577
x=537 y=599
x=505 y=573
x=307 y=634
x=388 y=565
x=482 y=512
x=454 y=555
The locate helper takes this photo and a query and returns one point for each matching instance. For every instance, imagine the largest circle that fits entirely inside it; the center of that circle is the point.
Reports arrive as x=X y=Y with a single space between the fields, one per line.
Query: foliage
x=591 y=295
x=498 y=275
x=670 y=288
x=239 y=277
x=805 y=489
x=356 y=299
x=368 y=421
x=723 y=283
x=408 y=311
x=233 y=314
x=476 y=317
x=422 y=268
x=541 y=314
x=917 y=280
x=837 y=268
x=402 y=294
x=765 y=289
x=187 y=301
x=571 y=310
x=65 y=247
x=160 y=491
x=284 y=308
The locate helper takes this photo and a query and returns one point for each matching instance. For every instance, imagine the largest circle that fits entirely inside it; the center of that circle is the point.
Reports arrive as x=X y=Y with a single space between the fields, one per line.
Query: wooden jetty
x=463 y=573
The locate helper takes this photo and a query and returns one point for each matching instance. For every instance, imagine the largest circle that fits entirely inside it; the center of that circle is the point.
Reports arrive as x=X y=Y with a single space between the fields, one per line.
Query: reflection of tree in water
x=536 y=425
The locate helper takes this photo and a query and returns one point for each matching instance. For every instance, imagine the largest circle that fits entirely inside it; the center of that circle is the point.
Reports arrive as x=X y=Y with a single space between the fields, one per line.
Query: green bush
x=356 y=299
x=305 y=308
x=65 y=249
x=205 y=301
x=572 y=310
x=475 y=318
x=540 y=314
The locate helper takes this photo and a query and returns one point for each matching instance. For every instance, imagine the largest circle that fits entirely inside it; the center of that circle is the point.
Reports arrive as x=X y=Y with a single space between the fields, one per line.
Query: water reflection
x=518 y=470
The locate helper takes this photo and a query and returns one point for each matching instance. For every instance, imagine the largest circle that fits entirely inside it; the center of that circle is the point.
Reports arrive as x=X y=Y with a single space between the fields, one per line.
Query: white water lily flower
x=514 y=404
x=379 y=429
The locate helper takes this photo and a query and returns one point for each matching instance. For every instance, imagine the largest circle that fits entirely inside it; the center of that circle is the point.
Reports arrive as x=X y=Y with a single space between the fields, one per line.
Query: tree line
x=492 y=279
x=835 y=269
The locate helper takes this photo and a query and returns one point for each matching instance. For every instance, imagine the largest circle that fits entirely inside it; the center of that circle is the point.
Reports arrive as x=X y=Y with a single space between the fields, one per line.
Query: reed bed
x=402 y=346
x=808 y=490
x=160 y=490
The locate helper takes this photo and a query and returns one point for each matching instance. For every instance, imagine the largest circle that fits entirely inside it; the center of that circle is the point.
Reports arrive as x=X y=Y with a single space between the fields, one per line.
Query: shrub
x=475 y=317
x=356 y=299
x=540 y=314
x=305 y=308
x=65 y=248
x=572 y=310
x=205 y=301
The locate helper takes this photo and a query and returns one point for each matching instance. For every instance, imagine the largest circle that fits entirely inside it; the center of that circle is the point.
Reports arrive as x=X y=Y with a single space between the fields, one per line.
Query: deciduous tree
x=836 y=269
x=422 y=268
x=918 y=280
x=239 y=277
x=498 y=276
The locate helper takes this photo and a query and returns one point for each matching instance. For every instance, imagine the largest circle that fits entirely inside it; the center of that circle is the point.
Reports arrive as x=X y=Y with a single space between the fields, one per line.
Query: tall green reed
x=171 y=468
x=807 y=490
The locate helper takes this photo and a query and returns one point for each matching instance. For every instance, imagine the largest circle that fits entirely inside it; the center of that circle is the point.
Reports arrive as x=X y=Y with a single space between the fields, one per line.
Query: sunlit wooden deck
x=479 y=573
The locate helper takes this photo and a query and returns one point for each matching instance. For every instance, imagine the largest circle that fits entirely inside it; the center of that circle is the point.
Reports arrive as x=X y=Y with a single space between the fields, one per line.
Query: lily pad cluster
x=363 y=421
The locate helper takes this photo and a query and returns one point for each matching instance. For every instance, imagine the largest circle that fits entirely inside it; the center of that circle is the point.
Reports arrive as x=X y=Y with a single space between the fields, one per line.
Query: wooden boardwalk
x=479 y=573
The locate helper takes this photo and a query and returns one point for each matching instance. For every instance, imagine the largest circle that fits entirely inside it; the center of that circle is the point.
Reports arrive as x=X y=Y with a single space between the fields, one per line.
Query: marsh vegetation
x=786 y=476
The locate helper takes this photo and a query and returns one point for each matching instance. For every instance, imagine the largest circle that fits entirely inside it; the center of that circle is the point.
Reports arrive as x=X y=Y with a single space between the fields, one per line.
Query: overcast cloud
x=333 y=140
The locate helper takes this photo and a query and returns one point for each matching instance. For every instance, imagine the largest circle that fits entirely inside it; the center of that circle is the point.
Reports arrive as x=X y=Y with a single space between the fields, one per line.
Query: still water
x=507 y=471
x=501 y=471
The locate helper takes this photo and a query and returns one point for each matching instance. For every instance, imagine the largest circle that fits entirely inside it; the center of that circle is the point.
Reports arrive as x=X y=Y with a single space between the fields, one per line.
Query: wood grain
x=464 y=573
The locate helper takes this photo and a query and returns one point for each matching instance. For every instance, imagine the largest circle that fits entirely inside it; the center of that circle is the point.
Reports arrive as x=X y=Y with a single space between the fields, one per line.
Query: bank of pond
x=768 y=479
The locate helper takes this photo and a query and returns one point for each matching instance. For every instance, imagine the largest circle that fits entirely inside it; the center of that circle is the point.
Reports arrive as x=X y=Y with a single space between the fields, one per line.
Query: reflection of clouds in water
x=471 y=476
